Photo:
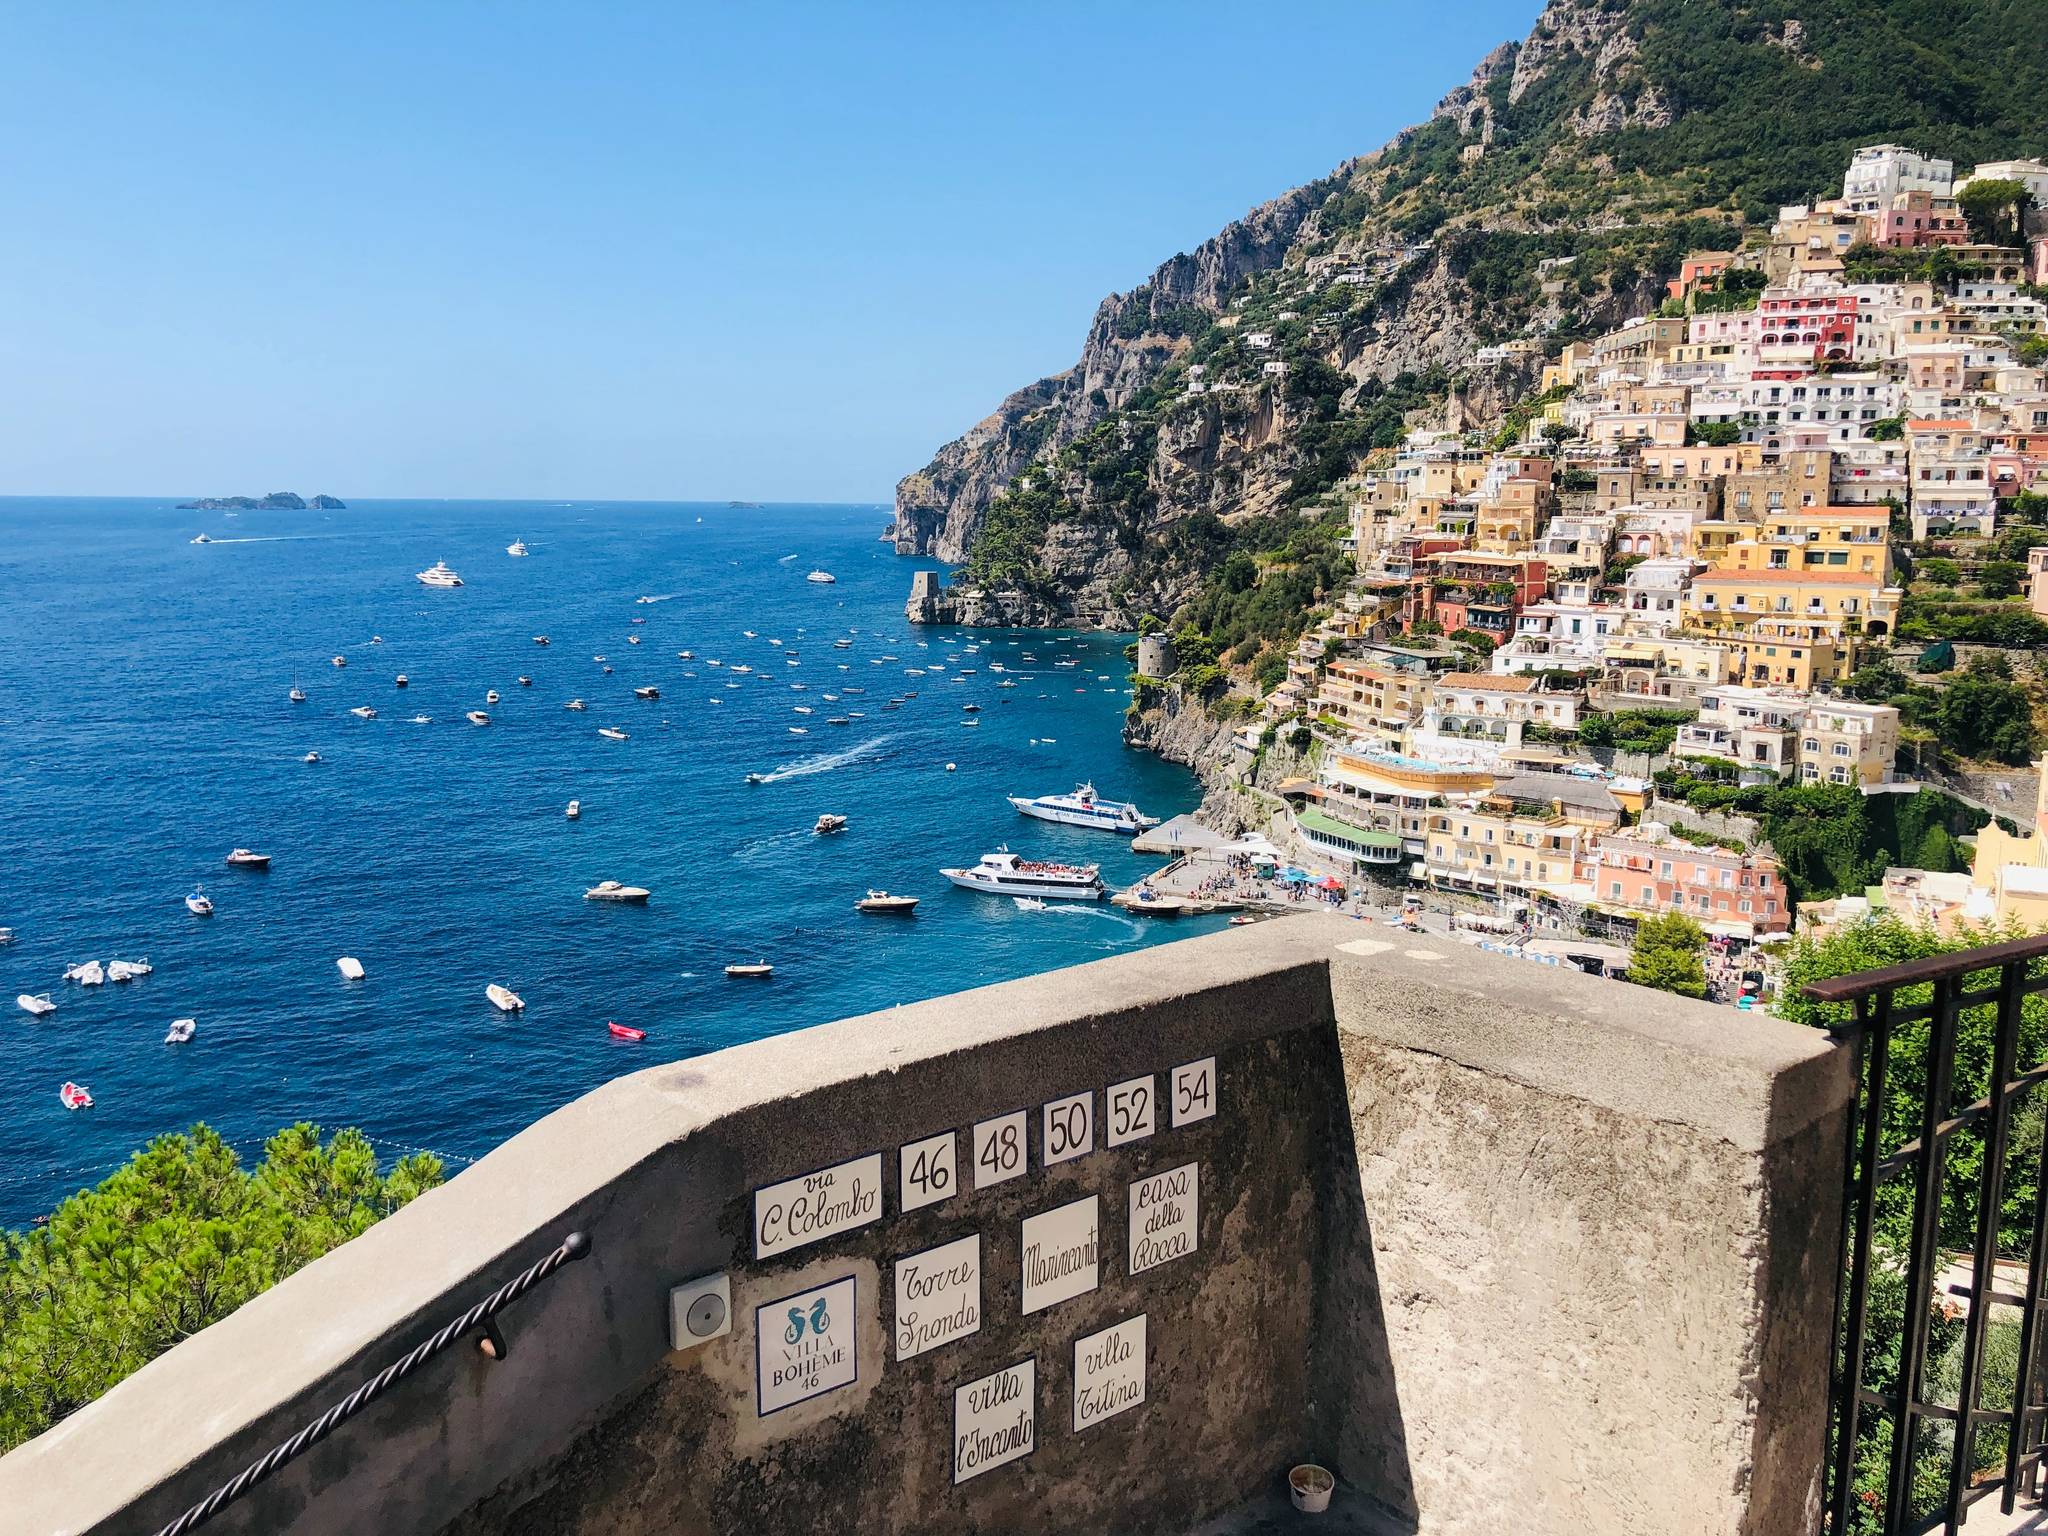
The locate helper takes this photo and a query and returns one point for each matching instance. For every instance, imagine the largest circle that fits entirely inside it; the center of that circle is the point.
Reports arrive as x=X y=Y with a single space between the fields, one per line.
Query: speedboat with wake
x=1085 y=808
x=829 y=822
x=516 y=548
x=1003 y=873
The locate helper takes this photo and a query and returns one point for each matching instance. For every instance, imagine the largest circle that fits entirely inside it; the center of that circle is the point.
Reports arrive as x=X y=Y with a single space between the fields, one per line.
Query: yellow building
x=2011 y=873
x=1509 y=523
x=1791 y=628
x=1394 y=794
x=1853 y=539
x=1374 y=701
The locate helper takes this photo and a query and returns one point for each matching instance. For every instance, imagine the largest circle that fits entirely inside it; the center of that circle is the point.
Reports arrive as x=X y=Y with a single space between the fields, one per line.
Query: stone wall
x=1498 y=1243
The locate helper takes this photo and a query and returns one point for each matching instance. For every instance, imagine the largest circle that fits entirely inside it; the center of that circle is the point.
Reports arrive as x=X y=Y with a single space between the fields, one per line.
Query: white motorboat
x=128 y=970
x=516 y=547
x=89 y=974
x=760 y=970
x=350 y=967
x=201 y=539
x=822 y=578
x=575 y=704
x=364 y=712
x=477 y=717
x=611 y=890
x=438 y=575
x=341 y=661
x=800 y=709
x=1084 y=808
x=799 y=730
x=1028 y=903
x=180 y=1031
x=830 y=823
x=633 y=639
x=310 y=757
x=646 y=693
x=491 y=696
x=297 y=695
x=883 y=903
x=504 y=998
x=401 y=681
x=6 y=935
x=37 y=1003
x=422 y=719
x=575 y=810
x=199 y=904
x=525 y=681
x=540 y=639
x=742 y=667
x=1003 y=873
x=611 y=733
x=249 y=858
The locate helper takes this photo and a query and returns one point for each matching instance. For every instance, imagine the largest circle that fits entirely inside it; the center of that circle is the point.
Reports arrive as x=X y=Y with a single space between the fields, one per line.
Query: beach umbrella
x=1294 y=876
x=1332 y=883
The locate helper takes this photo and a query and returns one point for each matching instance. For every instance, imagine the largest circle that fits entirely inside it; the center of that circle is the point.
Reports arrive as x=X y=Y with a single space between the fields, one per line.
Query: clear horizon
x=628 y=254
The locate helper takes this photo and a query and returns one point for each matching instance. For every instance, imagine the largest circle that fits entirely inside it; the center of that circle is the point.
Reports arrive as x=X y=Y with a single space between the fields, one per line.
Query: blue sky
x=768 y=251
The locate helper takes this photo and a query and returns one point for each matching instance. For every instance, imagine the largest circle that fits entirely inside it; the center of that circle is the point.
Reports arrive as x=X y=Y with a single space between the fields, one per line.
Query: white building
x=1571 y=636
x=1880 y=172
x=2032 y=173
x=1653 y=601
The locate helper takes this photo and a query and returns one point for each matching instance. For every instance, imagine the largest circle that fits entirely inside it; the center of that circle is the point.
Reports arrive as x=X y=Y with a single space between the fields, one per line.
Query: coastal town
x=1678 y=571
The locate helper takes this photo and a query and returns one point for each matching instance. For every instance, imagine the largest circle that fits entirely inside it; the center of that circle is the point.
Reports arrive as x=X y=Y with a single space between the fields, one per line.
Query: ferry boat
x=1003 y=873
x=1084 y=808
x=438 y=575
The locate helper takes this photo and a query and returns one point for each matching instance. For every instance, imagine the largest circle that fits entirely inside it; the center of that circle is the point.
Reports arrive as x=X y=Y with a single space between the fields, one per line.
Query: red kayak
x=625 y=1032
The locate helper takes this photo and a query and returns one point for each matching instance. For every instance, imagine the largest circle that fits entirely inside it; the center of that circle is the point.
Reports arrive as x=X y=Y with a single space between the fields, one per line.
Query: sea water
x=145 y=730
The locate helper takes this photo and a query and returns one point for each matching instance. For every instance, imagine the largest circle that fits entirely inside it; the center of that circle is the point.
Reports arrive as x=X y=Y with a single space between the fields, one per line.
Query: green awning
x=1329 y=826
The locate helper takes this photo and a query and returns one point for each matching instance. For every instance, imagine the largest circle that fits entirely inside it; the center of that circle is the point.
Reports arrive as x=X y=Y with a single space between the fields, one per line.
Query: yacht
x=350 y=967
x=1003 y=873
x=297 y=695
x=249 y=858
x=830 y=823
x=199 y=904
x=36 y=1003
x=477 y=717
x=516 y=547
x=491 y=696
x=438 y=575
x=364 y=712
x=611 y=733
x=1083 y=808
x=575 y=810
x=882 y=902
x=180 y=1031
x=504 y=998
x=611 y=890
x=822 y=578
x=75 y=1096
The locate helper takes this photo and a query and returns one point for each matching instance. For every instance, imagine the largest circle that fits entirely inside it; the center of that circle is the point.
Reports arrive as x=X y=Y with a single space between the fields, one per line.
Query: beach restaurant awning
x=1257 y=844
x=1294 y=876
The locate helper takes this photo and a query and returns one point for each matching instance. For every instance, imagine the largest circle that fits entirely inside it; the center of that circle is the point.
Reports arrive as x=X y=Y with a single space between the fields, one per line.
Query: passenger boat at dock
x=1084 y=808
x=1003 y=873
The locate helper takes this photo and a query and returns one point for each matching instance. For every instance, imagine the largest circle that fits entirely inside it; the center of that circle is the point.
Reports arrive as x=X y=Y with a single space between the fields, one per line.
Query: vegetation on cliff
x=177 y=1239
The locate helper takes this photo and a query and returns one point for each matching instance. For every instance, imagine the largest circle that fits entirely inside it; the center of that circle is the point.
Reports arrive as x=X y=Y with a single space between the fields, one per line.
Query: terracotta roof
x=1492 y=681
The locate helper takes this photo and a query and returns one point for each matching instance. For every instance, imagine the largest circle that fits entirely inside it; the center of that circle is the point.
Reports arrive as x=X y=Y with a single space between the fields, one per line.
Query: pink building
x=1796 y=329
x=1922 y=218
x=1647 y=870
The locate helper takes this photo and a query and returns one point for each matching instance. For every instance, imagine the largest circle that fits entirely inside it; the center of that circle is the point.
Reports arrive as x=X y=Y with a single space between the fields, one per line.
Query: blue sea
x=145 y=730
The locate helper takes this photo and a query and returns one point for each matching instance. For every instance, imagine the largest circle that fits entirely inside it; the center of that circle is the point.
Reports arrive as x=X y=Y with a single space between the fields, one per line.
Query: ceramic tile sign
x=1133 y=1111
x=804 y=1346
x=817 y=1205
x=1062 y=1256
x=925 y=1171
x=999 y=1152
x=938 y=1296
x=1194 y=1092
x=995 y=1420
x=1069 y=1128
x=1165 y=1217
x=1109 y=1372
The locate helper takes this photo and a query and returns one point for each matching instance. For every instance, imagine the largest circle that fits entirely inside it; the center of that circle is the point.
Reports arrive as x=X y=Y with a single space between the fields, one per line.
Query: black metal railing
x=492 y=1344
x=1942 y=1206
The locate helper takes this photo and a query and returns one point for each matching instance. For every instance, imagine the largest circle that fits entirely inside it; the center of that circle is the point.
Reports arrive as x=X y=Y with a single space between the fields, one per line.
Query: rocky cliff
x=1547 y=197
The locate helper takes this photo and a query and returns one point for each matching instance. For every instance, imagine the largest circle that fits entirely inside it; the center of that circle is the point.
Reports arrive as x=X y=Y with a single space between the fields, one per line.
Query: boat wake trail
x=1079 y=909
x=784 y=559
x=276 y=538
x=664 y=597
x=803 y=768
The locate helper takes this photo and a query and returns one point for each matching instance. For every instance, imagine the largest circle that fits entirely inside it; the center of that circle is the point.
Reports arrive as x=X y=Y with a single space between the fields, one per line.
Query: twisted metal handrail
x=574 y=1247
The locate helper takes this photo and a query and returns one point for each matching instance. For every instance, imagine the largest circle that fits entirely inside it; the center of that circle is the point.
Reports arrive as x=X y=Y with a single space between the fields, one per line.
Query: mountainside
x=1548 y=197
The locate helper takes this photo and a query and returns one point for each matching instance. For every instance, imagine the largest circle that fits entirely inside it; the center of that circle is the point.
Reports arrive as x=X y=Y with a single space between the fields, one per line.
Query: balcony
x=1632 y=1335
